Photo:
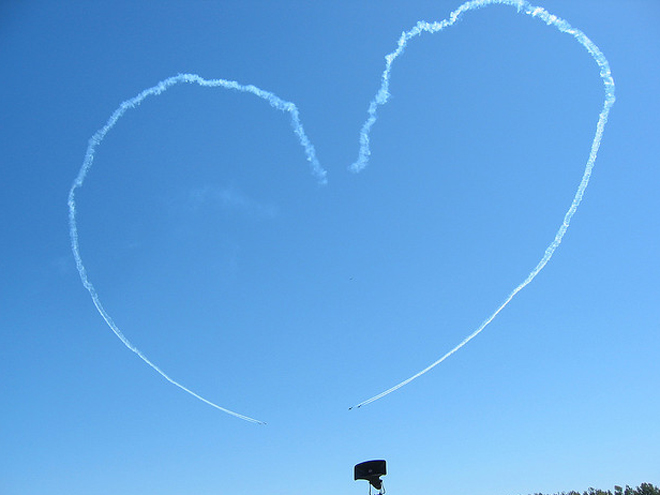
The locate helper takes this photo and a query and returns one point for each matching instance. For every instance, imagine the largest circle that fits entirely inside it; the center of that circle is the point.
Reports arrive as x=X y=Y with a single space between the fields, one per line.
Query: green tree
x=647 y=489
x=643 y=489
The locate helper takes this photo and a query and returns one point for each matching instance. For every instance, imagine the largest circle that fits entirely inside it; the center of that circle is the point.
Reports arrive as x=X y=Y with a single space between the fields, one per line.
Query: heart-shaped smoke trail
x=363 y=158
x=97 y=139
x=383 y=95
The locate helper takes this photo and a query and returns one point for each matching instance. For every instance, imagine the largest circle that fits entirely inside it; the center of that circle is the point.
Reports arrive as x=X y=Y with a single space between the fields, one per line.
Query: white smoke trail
x=97 y=139
x=383 y=94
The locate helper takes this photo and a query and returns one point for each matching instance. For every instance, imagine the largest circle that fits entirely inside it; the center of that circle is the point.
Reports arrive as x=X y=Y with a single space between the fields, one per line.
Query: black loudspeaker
x=371 y=471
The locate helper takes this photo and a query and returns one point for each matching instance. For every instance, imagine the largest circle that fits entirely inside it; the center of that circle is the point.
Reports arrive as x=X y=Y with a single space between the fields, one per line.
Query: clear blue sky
x=219 y=255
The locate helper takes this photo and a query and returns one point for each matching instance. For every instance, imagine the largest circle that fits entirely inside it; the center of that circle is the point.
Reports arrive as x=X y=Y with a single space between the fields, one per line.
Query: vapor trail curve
x=383 y=95
x=97 y=139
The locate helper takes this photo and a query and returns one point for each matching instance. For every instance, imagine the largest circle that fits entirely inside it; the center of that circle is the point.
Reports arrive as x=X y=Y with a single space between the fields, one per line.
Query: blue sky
x=220 y=256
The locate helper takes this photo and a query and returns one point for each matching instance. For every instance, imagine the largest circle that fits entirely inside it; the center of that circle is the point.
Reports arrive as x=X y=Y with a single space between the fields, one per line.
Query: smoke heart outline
x=364 y=153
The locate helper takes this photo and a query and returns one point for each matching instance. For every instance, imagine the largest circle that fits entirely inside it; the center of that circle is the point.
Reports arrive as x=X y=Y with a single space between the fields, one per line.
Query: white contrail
x=383 y=94
x=97 y=139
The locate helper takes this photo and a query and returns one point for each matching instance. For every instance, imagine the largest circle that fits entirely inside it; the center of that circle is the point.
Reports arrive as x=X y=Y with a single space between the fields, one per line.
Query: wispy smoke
x=233 y=199
x=383 y=95
x=229 y=199
x=97 y=139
